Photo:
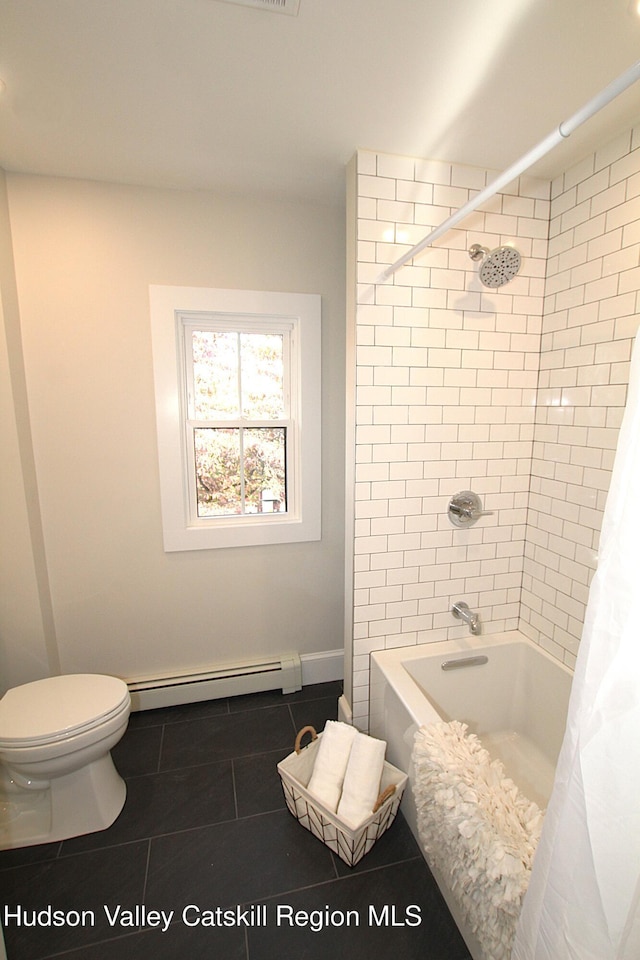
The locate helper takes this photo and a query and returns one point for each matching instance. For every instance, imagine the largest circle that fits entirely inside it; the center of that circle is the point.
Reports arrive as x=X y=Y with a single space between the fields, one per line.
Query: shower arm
x=564 y=130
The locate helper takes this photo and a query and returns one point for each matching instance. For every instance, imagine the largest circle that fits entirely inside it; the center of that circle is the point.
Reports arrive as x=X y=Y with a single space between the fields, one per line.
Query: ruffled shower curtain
x=583 y=898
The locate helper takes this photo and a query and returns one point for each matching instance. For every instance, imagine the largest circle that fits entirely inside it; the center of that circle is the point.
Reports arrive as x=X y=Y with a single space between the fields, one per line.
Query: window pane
x=264 y=469
x=262 y=376
x=215 y=374
x=240 y=470
x=218 y=487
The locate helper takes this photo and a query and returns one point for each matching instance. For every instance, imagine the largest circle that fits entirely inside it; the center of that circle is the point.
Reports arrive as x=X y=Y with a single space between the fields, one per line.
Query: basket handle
x=391 y=789
x=301 y=733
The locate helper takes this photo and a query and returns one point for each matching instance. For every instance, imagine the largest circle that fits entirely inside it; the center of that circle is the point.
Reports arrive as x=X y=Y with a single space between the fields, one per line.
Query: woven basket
x=350 y=845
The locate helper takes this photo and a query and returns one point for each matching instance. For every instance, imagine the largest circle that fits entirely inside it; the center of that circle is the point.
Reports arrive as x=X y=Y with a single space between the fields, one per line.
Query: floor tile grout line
x=159 y=763
x=146 y=871
x=235 y=790
x=226 y=822
x=232 y=713
x=99 y=849
x=52 y=857
x=293 y=724
x=206 y=763
x=169 y=833
x=75 y=951
x=190 y=766
x=157 y=836
x=217 y=716
x=323 y=883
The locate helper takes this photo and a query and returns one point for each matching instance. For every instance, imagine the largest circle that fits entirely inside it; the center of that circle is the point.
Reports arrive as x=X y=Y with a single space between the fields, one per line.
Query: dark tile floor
x=205 y=825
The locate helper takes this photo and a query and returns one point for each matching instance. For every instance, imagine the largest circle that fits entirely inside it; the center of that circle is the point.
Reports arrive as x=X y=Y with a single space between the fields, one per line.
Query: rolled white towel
x=361 y=786
x=331 y=763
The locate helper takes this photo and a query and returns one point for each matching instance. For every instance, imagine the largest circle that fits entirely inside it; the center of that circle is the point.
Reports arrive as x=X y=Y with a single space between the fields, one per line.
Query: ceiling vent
x=277 y=6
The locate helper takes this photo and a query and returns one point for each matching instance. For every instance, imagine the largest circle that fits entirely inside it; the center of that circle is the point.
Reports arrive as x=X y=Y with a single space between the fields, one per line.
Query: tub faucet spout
x=461 y=610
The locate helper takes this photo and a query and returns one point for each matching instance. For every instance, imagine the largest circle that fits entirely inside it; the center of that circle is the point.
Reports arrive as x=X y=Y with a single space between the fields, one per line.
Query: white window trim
x=303 y=521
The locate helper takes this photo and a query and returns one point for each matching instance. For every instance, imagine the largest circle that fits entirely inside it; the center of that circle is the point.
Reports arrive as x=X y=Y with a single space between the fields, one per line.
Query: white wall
x=591 y=314
x=27 y=650
x=85 y=254
x=516 y=394
x=446 y=380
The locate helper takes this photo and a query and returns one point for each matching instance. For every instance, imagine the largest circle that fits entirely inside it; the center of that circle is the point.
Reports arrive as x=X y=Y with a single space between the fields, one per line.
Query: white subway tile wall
x=515 y=393
x=590 y=316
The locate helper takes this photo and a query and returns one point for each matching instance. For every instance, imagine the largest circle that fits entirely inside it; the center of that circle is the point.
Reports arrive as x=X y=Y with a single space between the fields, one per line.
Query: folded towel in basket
x=361 y=786
x=331 y=763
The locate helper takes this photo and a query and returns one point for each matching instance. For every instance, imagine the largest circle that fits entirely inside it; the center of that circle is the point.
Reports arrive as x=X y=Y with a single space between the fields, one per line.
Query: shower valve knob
x=465 y=508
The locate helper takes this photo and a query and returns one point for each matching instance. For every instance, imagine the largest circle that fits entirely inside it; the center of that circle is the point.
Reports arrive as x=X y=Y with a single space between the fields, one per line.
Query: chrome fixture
x=465 y=508
x=498 y=266
x=461 y=610
x=464 y=662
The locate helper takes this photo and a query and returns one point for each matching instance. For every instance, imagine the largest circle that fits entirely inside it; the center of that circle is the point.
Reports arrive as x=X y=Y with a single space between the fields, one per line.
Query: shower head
x=498 y=266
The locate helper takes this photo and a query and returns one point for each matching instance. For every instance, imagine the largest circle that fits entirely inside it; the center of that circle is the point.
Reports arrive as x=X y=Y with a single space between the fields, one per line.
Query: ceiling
x=206 y=94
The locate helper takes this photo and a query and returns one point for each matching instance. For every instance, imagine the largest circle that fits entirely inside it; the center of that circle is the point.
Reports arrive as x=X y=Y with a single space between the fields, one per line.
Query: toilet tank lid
x=59 y=705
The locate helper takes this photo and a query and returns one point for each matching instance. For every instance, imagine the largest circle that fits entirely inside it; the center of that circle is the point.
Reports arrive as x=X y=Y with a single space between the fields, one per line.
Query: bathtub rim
x=390 y=663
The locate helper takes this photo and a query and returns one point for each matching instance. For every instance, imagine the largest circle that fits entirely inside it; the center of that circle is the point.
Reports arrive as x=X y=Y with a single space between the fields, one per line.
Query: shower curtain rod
x=564 y=130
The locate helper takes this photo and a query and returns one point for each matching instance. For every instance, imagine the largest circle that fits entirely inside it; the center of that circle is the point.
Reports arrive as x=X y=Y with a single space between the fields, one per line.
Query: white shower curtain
x=583 y=897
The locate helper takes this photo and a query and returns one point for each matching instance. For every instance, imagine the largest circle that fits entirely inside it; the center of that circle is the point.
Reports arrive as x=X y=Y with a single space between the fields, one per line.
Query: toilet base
x=84 y=801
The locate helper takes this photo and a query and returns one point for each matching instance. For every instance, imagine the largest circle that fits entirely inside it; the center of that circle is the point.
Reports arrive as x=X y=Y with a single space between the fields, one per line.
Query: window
x=238 y=416
x=237 y=383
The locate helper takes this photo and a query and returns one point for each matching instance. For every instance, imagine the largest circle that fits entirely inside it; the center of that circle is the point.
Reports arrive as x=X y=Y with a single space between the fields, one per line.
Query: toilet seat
x=58 y=708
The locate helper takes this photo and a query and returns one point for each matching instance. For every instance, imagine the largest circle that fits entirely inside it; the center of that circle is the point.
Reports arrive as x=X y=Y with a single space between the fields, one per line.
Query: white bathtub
x=515 y=702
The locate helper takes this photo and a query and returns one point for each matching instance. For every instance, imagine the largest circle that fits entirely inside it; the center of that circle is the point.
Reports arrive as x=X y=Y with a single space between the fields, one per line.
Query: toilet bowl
x=57 y=778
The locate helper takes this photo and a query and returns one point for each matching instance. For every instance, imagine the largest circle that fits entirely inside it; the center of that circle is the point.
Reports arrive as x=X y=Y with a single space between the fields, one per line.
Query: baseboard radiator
x=283 y=671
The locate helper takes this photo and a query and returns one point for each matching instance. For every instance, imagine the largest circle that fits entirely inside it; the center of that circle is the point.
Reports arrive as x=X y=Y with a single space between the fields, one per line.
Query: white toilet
x=57 y=778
